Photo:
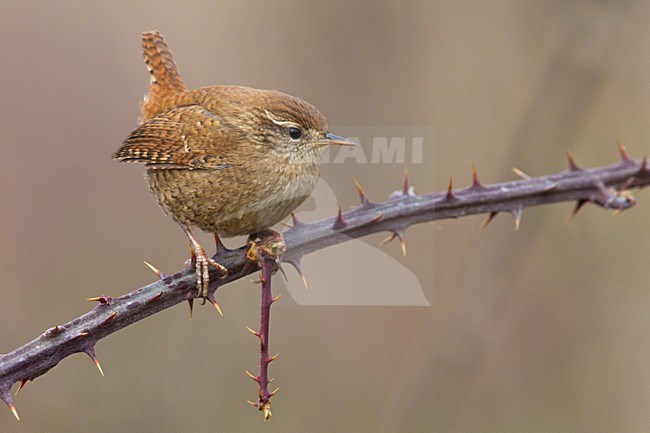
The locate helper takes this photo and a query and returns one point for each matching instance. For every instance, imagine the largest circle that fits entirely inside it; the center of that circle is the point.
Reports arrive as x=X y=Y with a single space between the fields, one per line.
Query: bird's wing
x=187 y=137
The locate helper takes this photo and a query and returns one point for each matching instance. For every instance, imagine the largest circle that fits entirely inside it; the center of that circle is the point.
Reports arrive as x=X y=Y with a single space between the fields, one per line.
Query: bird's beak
x=336 y=140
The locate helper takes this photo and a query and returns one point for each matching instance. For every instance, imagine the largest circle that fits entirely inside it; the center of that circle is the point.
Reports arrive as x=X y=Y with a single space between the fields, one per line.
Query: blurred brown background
x=545 y=329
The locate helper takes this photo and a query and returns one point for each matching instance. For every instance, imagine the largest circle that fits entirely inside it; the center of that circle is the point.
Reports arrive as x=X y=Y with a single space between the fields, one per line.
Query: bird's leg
x=202 y=264
x=271 y=242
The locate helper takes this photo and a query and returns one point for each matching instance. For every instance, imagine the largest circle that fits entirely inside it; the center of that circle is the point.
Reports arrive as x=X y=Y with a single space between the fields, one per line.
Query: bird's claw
x=270 y=245
x=202 y=265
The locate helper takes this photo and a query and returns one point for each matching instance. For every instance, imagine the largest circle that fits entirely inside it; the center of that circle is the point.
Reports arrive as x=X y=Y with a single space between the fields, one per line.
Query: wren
x=229 y=160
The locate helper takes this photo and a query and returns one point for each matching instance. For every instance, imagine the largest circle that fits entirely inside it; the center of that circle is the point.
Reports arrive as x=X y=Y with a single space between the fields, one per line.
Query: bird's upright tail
x=165 y=78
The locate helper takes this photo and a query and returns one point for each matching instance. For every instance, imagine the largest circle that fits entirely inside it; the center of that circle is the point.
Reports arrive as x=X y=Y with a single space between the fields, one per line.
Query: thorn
x=252 y=331
x=266 y=410
x=551 y=187
x=274 y=392
x=102 y=299
x=296 y=221
x=516 y=214
x=220 y=246
x=450 y=190
x=520 y=173
x=80 y=335
x=109 y=318
x=572 y=164
x=339 y=223
x=405 y=188
x=488 y=220
x=304 y=281
x=56 y=329
x=476 y=184
x=284 y=274
x=155 y=270
x=156 y=296
x=621 y=148
x=214 y=303
x=91 y=352
x=270 y=379
x=191 y=302
x=296 y=264
x=406 y=191
x=376 y=218
x=276 y=298
x=271 y=359
x=388 y=239
x=396 y=234
x=99 y=366
x=22 y=383
x=255 y=378
x=13 y=410
x=251 y=403
x=362 y=195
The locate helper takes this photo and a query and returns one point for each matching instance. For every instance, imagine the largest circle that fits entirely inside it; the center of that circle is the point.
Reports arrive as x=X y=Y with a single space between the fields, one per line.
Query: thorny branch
x=605 y=186
x=267 y=253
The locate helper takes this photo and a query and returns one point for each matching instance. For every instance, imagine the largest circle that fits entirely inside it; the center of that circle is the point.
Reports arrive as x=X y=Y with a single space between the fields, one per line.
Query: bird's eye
x=294 y=132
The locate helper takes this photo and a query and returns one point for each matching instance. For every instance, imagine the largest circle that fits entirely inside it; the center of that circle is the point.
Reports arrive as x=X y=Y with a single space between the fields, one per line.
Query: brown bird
x=229 y=160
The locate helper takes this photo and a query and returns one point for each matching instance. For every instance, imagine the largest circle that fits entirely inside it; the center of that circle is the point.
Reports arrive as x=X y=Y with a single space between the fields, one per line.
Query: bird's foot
x=271 y=244
x=202 y=265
